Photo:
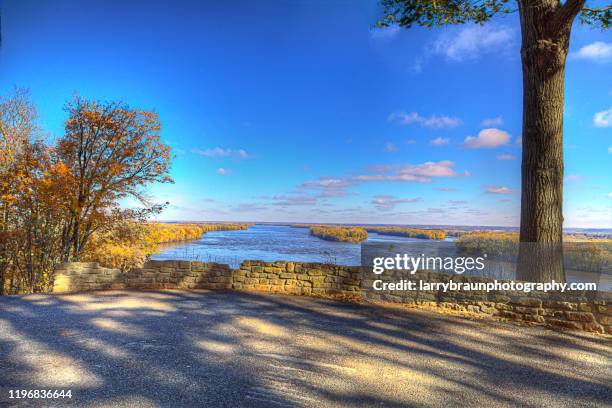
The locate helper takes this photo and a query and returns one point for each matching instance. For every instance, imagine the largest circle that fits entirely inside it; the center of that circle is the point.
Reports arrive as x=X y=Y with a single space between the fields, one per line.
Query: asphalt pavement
x=230 y=349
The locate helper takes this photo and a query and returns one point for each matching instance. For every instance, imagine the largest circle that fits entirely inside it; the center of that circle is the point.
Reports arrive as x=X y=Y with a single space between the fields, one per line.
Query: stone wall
x=298 y=278
x=82 y=276
x=578 y=310
x=589 y=311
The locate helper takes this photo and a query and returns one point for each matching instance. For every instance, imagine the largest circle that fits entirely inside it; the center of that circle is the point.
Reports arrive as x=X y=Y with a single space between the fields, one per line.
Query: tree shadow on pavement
x=201 y=348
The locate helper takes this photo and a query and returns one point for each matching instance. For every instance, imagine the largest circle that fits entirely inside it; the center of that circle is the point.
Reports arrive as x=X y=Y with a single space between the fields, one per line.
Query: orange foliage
x=130 y=244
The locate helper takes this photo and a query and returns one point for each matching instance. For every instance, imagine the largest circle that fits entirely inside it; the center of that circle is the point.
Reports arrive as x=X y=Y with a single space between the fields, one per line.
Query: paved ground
x=179 y=348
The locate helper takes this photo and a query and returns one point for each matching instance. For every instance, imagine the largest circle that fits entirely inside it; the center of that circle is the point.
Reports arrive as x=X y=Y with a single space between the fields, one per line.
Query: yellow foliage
x=342 y=234
x=130 y=244
x=580 y=252
x=409 y=232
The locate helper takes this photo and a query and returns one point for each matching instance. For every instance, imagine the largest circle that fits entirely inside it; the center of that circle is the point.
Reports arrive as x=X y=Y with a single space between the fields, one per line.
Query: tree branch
x=564 y=17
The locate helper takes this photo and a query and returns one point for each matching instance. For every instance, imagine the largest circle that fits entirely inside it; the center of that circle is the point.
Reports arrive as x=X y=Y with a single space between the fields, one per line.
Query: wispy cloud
x=381 y=33
x=291 y=200
x=223 y=171
x=610 y=150
x=247 y=207
x=330 y=187
x=490 y=122
x=409 y=141
x=574 y=177
x=498 y=190
x=598 y=51
x=432 y=121
x=505 y=157
x=390 y=147
x=439 y=141
x=472 y=42
x=603 y=119
x=328 y=183
x=223 y=152
x=388 y=202
x=487 y=139
x=332 y=194
x=419 y=173
x=446 y=189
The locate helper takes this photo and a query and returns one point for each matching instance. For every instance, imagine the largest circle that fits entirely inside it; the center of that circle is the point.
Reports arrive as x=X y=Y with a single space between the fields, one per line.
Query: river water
x=269 y=243
x=284 y=243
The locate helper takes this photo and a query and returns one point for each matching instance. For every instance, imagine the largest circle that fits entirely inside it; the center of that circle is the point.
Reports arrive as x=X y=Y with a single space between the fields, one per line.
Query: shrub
x=130 y=244
x=409 y=232
x=341 y=234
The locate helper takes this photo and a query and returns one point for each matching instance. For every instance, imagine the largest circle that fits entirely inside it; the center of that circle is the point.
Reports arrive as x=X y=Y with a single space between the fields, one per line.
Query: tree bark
x=545 y=27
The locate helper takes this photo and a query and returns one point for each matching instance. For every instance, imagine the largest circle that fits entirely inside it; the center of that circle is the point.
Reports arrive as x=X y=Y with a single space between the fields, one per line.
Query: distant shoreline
x=425 y=226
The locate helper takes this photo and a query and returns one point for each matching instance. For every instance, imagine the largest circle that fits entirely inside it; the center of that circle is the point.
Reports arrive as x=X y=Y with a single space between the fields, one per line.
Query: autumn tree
x=30 y=218
x=109 y=152
x=545 y=28
x=17 y=127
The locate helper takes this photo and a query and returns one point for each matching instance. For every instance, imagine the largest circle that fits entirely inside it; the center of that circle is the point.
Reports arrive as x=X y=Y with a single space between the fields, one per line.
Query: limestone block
x=580 y=316
x=564 y=323
x=534 y=318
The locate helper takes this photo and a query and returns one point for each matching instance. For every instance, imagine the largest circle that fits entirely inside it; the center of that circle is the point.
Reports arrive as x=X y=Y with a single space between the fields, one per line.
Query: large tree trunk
x=545 y=42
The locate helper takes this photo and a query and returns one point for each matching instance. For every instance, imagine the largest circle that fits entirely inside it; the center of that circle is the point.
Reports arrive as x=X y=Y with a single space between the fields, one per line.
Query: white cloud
x=378 y=33
x=415 y=173
x=609 y=195
x=487 y=139
x=432 y=121
x=573 y=177
x=490 y=122
x=498 y=190
x=439 y=141
x=419 y=173
x=223 y=171
x=328 y=183
x=390 y=147
x=610 y=150
x=247 y=207
x=284 y=200
x=387 y=202
x=471 y=42
x=409 y=141
x=222 y=152
x=505 y=157
x=417 y=65
x=598 y=51
x=603 y=119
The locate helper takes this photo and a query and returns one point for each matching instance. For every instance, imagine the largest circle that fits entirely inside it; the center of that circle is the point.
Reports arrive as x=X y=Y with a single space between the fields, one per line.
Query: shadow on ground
x=199 y=348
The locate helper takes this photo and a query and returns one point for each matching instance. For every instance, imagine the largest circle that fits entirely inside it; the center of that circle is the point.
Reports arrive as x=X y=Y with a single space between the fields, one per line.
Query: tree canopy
x=434 y=13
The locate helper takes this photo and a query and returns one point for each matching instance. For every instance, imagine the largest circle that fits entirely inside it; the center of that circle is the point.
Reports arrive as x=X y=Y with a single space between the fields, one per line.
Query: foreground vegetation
x=60 y=199
x=131 y=244
x=340 y=234
x=580 y=252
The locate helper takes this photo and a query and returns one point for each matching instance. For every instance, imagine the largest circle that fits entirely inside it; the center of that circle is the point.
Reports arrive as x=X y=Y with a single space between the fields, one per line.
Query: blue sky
x=300 y=111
